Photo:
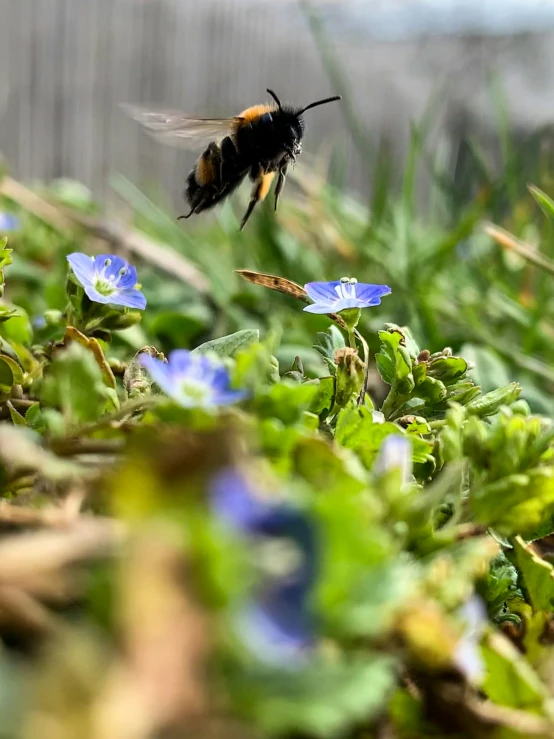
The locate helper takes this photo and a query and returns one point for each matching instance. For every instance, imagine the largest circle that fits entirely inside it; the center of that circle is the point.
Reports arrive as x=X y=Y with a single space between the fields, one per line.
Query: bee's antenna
x=274 y=96
x=319 y=102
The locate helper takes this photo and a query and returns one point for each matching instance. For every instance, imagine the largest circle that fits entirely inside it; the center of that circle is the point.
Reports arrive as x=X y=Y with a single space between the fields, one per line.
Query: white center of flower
x=347 y=287
x=196 y=390
x=279 y=558
x=105 y=285
x=108 y=284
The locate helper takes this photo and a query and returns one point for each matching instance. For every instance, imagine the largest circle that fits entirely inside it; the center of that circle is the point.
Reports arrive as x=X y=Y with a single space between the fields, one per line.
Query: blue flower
x=9 y=222
x=192 y=380
x=333 y=297
x=395 y=453
x=108 y=279
x=467 y=656
x=277 y=624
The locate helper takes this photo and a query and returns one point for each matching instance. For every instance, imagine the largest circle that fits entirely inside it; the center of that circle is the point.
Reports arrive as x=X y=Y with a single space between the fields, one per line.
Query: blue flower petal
x=232 y=501
x=348 y=303
x=229 y=397
x=9 y=222
x=274 y=640
x=210 y=377
x=220 y=378
x=321 y=292
x=82 y=266
x=160 y=372
x=180 y=361
x=371 y=294
x=319 y=308
x=101 y=259
x=128 y=299
x=129 y=279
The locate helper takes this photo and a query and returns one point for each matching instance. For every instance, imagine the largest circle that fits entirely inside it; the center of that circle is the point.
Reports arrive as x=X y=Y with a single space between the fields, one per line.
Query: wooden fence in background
x=66 y=64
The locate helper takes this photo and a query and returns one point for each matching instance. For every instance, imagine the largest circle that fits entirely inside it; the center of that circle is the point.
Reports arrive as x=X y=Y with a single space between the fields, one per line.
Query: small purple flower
x=277 y=624
x=9 y=222
x=467 y=656
x=192 y=380
x=395 y=453
x=108 y=278
x=333 y=297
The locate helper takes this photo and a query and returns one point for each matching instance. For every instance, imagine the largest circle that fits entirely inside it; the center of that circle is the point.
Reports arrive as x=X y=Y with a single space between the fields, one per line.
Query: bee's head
x=292 y=123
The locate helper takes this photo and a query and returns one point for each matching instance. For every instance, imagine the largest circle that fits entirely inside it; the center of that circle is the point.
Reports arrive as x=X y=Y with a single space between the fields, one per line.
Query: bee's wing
x=174 y=128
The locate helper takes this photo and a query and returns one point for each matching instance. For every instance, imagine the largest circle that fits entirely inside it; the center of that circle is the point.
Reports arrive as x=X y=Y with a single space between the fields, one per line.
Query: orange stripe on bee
x=256 y=111
x=265 y=184
x=205 y=170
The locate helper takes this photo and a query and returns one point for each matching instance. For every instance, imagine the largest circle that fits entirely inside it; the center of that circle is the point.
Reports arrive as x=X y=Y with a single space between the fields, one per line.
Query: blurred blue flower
x=9 y=222
x=395 y=453
x=192 y=380
x=108 y=278
x=277 y=625
x=467 y=657
x=38 y=323
x=333 y=297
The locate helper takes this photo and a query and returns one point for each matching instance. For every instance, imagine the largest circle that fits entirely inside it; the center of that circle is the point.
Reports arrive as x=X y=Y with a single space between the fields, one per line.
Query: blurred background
x=66 y=64
x=445 y=121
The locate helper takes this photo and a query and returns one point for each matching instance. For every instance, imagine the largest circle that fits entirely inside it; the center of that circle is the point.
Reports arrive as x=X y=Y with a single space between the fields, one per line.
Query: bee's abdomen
x=208 y=166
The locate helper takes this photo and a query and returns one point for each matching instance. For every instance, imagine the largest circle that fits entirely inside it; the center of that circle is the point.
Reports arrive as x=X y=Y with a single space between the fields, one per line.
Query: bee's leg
x=280 y=182
x=261 y=188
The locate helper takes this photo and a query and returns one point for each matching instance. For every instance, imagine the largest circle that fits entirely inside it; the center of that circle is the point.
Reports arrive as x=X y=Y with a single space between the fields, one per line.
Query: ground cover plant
x=242 y=496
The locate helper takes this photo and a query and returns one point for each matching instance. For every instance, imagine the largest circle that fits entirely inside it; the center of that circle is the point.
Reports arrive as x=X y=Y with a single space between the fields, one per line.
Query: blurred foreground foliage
x=431 y=493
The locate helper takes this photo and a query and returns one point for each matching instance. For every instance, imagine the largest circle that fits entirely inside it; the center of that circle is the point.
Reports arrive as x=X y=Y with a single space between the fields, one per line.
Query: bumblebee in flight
x=260 y=142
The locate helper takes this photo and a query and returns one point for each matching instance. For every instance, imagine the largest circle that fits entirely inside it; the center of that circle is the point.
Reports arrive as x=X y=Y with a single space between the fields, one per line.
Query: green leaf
x=394 y=362
x=7 y=312
x=447 y=369
x=323 y=398
x=18 y=329
x=538 y=576
x=510 y=680
x=356 y=429
x=544 y=201
x=488 y=405
x=322 y=700
x=10 y=373
x=432 y=390
x=16 y=417
x=228 y=346
x=286 y=400
x=327 y=344
x=75 y=384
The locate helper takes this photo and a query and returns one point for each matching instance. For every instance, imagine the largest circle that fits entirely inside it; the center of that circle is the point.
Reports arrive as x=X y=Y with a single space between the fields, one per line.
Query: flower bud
x=349 y=377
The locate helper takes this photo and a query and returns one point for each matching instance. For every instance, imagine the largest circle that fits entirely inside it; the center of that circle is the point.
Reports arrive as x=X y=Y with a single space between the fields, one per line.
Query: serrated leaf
x=228 y=346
